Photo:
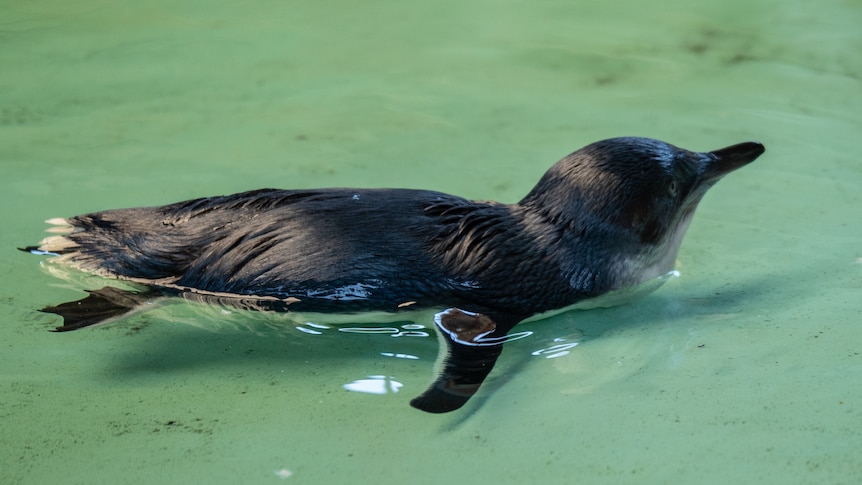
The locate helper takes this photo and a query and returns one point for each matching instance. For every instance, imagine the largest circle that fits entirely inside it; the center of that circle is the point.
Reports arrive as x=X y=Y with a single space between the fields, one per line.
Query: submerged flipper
x=472 y=352
x=100 y=306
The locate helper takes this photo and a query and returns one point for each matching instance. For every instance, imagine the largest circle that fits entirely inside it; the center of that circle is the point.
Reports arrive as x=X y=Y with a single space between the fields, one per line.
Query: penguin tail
x=58 y=245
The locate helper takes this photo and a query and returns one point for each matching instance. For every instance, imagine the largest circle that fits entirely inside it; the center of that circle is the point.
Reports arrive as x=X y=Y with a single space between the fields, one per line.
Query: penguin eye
x=672 y=188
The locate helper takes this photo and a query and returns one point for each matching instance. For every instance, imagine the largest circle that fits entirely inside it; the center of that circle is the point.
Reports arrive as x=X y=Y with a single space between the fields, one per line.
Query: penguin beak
x=721 y=162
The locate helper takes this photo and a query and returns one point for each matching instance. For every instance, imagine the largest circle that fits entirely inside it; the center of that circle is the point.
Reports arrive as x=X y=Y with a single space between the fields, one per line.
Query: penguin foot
x=100 y=306
x=471 y=355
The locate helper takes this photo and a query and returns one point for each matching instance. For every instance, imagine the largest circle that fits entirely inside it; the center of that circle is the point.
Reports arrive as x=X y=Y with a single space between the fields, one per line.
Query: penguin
x=605 y=218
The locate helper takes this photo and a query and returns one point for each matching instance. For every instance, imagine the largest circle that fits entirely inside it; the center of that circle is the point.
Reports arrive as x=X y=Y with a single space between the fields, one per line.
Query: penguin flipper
x=100 y=306
x=470 y=357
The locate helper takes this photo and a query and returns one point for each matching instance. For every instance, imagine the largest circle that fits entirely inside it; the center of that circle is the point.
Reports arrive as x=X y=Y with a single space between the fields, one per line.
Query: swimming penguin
x=607 y=217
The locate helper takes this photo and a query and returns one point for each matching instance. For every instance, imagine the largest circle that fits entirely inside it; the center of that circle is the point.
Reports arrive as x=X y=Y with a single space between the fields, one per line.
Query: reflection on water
x=375 y=385
x=557 y=350
x=399 y=356
x=409 y=330
x=310 y=331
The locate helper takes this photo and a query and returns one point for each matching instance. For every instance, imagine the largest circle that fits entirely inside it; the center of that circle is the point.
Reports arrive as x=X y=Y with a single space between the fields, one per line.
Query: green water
x=744 y=370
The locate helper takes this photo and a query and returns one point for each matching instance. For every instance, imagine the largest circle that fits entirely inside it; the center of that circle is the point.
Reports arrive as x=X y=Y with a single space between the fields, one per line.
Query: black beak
x=721 y=162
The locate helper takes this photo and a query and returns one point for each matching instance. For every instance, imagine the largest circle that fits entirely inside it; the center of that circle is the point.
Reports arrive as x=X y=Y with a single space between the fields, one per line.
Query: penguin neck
x=637 y=267
x=598 y=256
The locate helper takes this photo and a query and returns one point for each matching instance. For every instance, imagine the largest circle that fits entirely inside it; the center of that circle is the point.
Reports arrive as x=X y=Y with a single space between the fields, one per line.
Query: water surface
x=745 y=369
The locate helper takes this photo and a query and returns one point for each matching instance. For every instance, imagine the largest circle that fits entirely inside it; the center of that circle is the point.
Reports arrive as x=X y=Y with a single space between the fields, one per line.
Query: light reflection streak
x=377 y=384
x=399 y=356
x=369 y=330
x=412 y=331
x=555 y=351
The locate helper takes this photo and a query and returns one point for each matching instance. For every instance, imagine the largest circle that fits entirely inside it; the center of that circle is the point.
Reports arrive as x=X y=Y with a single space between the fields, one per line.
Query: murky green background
x=745 y=370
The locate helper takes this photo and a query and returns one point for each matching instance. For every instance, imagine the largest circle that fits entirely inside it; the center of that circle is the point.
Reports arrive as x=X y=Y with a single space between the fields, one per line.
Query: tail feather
x=102 y=305
x=55 y=245
x=124 y=243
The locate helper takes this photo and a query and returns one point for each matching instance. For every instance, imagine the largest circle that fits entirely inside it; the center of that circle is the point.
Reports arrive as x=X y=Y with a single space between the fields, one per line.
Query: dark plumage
x=606 y=217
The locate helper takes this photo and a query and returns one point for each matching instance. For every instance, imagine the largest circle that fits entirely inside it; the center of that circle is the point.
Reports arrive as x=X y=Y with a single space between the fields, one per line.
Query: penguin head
x=633 y=196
